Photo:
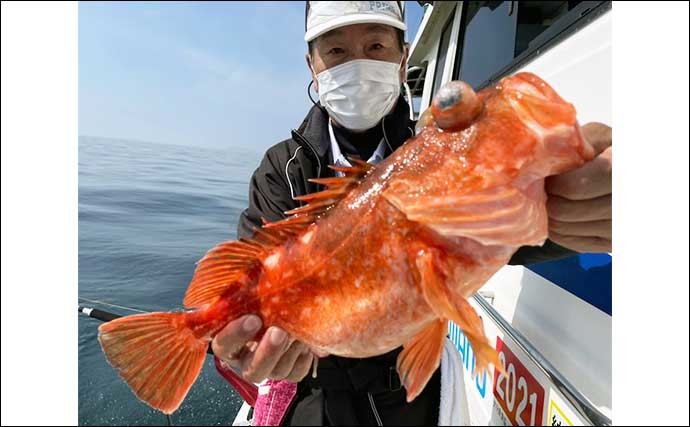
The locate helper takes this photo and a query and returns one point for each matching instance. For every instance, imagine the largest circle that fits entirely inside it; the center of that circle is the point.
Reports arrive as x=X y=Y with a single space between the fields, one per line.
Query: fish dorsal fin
x=320 y=202
x=336 y=189
x=223 y=265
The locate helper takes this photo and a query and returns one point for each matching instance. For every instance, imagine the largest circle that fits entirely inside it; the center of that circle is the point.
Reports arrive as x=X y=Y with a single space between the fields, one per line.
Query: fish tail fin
x=156 y=354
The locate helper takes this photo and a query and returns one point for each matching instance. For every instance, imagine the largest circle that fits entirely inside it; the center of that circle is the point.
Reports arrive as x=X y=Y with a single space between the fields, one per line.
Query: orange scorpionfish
x=385 y=255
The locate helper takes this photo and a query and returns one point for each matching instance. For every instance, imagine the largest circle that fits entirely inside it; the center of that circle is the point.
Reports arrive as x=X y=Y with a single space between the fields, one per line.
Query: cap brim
x=361 y=18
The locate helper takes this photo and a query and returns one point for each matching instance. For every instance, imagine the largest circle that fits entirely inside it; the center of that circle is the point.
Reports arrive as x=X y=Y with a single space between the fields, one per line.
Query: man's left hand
x=579 y=201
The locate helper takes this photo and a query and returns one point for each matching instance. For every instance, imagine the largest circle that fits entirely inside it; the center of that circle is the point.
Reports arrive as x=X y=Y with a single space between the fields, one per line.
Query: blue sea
x=147 y=213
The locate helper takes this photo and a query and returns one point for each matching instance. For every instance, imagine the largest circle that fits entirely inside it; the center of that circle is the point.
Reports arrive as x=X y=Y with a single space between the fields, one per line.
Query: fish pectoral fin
x=420 y=358
x=503 y=214
x=449 y=305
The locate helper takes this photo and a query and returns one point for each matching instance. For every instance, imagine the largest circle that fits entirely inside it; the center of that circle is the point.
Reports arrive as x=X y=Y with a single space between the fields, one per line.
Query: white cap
x=324 y=16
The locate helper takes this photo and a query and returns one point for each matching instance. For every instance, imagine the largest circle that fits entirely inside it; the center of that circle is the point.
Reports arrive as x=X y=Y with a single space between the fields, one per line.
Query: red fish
x=385 y=255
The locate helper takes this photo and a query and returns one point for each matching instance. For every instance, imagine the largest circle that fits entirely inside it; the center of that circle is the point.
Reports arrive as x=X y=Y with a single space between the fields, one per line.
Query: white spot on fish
x=362 y=304
x=306 y=238
x=358 y=282
x=272 y=260
x=323 y=301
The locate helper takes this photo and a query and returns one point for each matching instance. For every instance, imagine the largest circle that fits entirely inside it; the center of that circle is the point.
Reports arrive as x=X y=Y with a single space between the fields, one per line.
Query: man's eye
x=377 y=46
x=335 y=51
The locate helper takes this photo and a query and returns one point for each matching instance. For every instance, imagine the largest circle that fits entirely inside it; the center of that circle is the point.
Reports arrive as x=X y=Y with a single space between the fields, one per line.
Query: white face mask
x=358 y=93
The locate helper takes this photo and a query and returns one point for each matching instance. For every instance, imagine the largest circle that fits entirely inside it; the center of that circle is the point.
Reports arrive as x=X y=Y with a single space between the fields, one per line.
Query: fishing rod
x=248 y=392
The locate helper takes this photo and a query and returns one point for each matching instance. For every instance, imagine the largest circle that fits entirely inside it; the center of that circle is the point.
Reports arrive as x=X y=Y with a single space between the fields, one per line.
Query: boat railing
x=579 y=402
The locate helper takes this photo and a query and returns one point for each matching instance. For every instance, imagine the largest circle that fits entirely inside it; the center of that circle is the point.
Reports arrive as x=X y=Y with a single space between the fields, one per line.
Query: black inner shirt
x=359 y=144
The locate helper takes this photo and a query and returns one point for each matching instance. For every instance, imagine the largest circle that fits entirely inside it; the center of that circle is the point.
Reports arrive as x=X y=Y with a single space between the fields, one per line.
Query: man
x=357 y=59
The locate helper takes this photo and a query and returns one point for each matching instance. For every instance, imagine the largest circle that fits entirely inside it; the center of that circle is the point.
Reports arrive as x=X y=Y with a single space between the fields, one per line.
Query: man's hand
x=579 y=203
x=276 y=356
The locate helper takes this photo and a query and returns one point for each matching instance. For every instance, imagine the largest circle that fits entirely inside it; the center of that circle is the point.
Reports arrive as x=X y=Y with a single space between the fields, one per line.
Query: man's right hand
x=276 y=356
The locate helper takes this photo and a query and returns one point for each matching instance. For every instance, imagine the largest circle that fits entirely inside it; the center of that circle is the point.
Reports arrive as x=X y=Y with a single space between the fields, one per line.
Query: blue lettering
x=481 y=388
x=468 y=357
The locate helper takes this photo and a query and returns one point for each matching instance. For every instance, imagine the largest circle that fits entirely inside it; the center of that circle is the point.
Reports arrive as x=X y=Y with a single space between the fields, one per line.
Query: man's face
x=358 y=41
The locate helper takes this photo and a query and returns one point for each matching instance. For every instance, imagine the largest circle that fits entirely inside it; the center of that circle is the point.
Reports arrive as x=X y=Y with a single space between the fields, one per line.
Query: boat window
x=496 y=34
x=489 y=39
x=536 y=16
x=442 y=53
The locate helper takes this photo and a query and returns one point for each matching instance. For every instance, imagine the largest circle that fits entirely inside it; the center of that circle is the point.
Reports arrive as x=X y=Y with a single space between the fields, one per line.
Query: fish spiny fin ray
x=320 y=202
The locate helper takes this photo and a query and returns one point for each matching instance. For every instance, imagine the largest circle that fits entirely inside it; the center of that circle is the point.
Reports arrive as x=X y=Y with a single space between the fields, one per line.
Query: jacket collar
x=314 y=128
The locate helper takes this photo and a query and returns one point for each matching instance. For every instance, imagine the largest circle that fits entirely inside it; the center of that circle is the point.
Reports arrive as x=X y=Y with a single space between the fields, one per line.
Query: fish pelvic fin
x=420 y=358
x=156 y=354
x=448 y=305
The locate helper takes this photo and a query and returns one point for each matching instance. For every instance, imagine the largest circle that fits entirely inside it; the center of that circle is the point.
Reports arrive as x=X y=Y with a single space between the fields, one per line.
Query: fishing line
x=385 y=137
x=114 y=305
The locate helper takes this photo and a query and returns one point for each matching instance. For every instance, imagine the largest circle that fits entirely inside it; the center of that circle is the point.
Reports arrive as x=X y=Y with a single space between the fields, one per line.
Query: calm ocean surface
x=147 y=213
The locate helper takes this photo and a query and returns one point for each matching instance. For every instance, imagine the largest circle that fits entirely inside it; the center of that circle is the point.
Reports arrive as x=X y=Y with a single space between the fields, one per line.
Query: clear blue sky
x=200 y=74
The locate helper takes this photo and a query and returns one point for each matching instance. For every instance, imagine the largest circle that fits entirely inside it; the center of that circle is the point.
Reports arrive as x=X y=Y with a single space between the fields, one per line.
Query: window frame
x=565 y=26
x=453 y=24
